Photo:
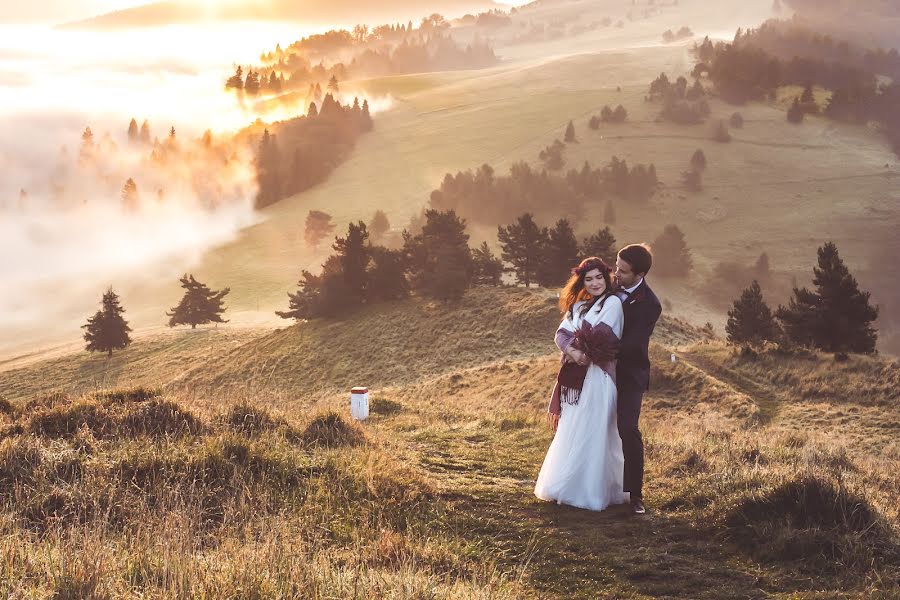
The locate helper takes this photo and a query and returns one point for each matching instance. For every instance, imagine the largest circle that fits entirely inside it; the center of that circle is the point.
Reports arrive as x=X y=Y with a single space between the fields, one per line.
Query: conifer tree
x=387 y=275
x=522 y=244
x=130 y=197
x=333 y=85
x=199 y=305
x=602 y=244
x=353 y=252
x=133 y=131
x=145 y=132
x=837 y=317
x=107 y=330
x=313 y=111
x=560 y=255
x=367 y=117
x=620 y=114
x=318 y=227
x=672 y=257
x=698 y=161
x=750 y=319
x=87 y=146
x=438 y=258
x=379 y=226
x=570 y=133
x=487 y=268
x=268 y=171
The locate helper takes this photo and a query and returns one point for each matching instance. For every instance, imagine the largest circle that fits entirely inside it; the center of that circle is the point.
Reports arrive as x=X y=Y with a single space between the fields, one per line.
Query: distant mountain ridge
x=335 y=12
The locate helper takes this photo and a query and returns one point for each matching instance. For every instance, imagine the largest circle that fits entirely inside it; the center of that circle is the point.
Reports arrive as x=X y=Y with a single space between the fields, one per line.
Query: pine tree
x=107 y=330
x=570 y=133
x=268 y=171
x=672 y=258
x=199 y=305
x=145 y=132
x=367 y=117
x=133 y=133
x=387 y=275
x=750 y=319
x=698 y=161
x=130 y=197
x=333 y=85
x=602 y=244
x=522 y=245
x=560 y=255
x=837 y=317
x=354 y=254
x=87 y=146
x=313 y=111
x=251 y=84
x=488 y=269
x=236 y=81
x=438 y=258
x=379 y=226
x=318 y=227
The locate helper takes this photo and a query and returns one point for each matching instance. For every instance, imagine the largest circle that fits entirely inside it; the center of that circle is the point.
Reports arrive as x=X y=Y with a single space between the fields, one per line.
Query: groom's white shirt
x=623 y=294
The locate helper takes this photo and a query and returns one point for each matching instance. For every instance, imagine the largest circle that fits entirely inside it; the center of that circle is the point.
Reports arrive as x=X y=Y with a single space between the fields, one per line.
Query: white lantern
x=359 y=403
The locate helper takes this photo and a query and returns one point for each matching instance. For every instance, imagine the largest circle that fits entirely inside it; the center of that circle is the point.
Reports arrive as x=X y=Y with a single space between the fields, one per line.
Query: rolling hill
x=771 y=474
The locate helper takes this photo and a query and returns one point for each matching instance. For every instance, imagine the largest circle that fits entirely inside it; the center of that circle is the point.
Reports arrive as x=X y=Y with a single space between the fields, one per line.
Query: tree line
x=294 y=155
x=488 y=198
x=834 y=317
x=384 y=50
x=742 y=71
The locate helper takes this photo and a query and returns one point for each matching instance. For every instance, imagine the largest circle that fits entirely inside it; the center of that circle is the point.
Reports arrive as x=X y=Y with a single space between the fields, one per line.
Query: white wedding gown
x=584 y=465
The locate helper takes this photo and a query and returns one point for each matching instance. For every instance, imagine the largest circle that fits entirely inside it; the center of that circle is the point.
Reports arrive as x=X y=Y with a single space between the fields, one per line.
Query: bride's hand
x=553 y=420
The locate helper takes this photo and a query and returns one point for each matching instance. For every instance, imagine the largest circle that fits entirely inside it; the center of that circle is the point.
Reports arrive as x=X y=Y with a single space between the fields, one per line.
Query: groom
x=642 y=310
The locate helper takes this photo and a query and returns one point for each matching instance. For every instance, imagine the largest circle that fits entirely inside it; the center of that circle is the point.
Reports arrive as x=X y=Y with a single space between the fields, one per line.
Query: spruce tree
x=698 y=160
x=318 y=227
x=107 y=330
x=354 y=253
x=133 y=133
x=313 y=111
x=199 y=305
x=379 y=226
x=387 y=275
x=570 y=133
x=488 y=269
x=522 y=245
x=130 y=197
x=750 y=319
x=672 y=258
x=145 y=132
x=602 y=244
x=438 y=258
x=560 y=255
x=837 y=317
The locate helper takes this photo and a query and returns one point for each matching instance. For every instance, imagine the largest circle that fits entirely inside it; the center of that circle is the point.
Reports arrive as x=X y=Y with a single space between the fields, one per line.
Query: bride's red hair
x=574 y=289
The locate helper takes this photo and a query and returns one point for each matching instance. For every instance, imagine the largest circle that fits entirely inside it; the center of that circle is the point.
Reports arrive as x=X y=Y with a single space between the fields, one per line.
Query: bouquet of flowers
x=599 y=343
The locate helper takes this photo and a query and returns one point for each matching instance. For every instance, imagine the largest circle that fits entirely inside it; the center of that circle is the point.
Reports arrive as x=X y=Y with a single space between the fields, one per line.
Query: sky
x=55 y=11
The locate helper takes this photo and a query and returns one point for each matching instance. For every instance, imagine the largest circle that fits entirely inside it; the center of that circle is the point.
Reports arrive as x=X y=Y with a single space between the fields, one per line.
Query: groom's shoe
x=637 y=506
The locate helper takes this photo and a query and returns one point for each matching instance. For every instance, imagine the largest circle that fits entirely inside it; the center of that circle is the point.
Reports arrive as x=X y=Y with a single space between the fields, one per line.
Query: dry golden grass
x=755 y=490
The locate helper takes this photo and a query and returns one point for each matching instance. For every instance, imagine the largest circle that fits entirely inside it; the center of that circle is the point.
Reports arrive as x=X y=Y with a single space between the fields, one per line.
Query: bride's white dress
x=584 y=465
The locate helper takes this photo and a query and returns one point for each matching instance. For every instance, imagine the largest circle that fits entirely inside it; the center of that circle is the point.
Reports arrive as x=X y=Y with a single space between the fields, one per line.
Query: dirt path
x=769 y=404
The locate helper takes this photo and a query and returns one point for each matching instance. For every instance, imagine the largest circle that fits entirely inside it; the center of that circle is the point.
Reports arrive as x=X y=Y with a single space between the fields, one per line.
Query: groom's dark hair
x=638 y=256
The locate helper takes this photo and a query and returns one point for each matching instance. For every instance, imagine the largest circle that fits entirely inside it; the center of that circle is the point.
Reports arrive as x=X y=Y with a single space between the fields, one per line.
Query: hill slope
x=770 y=475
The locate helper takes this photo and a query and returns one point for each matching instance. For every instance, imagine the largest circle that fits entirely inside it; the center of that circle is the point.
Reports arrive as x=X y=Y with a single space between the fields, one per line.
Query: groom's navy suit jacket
x=642 y=310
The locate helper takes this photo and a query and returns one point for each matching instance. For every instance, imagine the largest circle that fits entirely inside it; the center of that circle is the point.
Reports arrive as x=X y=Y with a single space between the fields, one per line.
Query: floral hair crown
x=590 y=265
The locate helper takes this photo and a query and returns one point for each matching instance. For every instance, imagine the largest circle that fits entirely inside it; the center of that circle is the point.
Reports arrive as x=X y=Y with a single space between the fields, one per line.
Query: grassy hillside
x=770 y=474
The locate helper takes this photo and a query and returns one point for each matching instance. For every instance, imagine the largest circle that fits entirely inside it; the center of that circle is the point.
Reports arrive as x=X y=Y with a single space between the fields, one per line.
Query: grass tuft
x=331 y=430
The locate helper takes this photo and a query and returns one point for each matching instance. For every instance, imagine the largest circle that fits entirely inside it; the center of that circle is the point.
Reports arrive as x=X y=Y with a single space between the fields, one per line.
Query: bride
x=584 y=465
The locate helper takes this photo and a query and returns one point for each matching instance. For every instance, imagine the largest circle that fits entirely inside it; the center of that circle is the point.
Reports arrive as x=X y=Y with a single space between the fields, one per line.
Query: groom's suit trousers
x=628 y=413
